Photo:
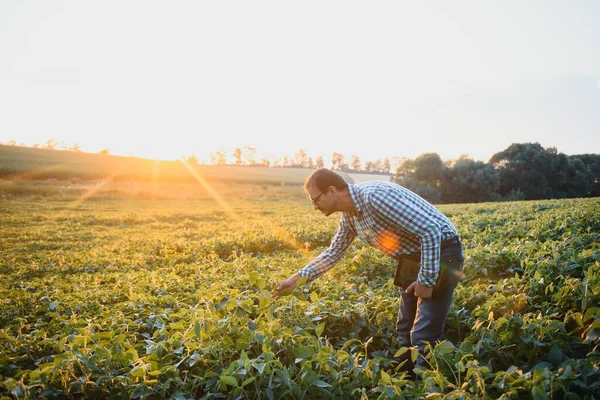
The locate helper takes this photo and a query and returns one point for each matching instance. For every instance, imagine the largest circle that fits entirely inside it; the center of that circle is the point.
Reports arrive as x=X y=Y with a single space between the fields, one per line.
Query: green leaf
x=539 y=393
x=590 y=313
x=177 y=326
x=253 y=276
x=286 y=292
x=314 y=297
x=261 y=283
x=385 y=378
x=103 y=335
x=320 y=328
x=321 y=384
x=138 y=371
x=260 y=367
x=555 y=356
x=301 y=281
x=269 y=393
x=401 y=351
x=414 y=354
x=248 y=381
x=445 y=347
x=229 y=380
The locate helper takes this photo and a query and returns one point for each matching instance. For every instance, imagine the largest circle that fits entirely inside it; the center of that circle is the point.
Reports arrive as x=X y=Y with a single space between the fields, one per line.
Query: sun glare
x=279 y=231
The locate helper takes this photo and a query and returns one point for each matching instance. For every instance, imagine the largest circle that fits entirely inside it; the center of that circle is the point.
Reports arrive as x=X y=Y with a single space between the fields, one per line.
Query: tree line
x=246 y=156
x=523 y=171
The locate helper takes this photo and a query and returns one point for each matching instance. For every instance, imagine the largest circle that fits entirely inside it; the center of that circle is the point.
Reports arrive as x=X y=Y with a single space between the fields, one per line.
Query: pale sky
x=166 y=79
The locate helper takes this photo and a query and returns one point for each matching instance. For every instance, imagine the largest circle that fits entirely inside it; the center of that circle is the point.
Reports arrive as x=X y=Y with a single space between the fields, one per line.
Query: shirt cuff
x=306 y=273
x=428 y=281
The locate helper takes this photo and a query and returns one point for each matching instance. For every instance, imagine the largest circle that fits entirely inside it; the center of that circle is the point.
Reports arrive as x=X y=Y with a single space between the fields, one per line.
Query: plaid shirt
x=394 y=220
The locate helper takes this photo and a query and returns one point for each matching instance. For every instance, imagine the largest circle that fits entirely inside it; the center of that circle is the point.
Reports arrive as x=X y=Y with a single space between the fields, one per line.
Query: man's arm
x=324 y=261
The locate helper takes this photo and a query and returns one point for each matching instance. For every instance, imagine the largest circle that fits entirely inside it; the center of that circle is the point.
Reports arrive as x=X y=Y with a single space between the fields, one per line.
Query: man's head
x=323 y=187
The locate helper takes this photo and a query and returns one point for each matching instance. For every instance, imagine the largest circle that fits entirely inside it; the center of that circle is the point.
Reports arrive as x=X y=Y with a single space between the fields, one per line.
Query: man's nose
x=315 y=206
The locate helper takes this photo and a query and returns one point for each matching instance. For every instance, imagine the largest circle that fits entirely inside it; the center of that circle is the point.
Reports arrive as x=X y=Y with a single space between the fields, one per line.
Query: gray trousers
x=421 y=321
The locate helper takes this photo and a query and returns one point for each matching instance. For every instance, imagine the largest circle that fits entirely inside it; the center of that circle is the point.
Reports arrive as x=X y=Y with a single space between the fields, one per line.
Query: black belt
x=450 y=242
x=443 y=245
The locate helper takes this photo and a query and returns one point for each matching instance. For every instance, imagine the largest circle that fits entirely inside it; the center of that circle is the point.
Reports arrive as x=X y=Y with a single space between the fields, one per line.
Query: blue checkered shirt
x=394 y=220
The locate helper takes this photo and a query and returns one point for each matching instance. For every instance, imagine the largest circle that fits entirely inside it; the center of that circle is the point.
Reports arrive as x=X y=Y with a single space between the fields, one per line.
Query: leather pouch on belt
x=407 y=271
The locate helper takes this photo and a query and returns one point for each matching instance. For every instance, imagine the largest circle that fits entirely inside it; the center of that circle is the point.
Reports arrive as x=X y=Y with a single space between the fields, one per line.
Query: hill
x=24 y=163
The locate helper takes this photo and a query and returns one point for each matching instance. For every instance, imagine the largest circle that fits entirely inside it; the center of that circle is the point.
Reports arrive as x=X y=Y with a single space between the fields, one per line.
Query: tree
x=423 y=175
x=386 y=165
x=265 y=162
x=378 y=166
x=369 y=166
x=237 y=154
x=300 y=159
x=250 y=155
x=591 y=164
x=218 y=158
x=337 y=160
x=319 y=163
x=355 y=163
x=526 y=167
x=50 y=144
x=191 y=159
x=309 y=163
x=469 y=181
x=429 y=168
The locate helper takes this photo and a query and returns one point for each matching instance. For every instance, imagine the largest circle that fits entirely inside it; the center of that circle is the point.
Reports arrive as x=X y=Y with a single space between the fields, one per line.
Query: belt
x=450 y=242
x=443 y=245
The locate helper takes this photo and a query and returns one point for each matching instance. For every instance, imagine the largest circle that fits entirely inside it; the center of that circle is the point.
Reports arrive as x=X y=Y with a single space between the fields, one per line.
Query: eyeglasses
x=314 y=201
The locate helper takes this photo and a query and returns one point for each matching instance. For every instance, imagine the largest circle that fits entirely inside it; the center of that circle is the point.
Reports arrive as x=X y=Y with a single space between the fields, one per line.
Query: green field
x=146 y=291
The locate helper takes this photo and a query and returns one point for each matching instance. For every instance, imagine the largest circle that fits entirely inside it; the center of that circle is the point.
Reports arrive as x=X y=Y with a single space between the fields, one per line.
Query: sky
x=167 y=80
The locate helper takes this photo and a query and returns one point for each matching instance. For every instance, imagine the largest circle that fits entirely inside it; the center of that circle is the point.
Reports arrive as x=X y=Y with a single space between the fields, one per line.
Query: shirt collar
x=354 y=196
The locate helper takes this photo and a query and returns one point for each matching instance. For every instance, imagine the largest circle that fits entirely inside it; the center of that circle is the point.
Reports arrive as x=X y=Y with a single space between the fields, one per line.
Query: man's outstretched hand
x=421 y=291
x=286 y=286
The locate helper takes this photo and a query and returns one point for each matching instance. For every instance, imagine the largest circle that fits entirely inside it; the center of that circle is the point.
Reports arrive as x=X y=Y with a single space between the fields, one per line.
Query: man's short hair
x=323 y=178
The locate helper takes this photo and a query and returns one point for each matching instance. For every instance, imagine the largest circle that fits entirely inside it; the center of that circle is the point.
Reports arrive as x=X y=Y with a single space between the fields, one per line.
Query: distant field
x=359 y=178
x=22 y=163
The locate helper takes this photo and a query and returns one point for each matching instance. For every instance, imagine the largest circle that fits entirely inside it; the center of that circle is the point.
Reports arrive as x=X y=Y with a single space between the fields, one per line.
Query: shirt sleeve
x=328 y=258
x=399 y=211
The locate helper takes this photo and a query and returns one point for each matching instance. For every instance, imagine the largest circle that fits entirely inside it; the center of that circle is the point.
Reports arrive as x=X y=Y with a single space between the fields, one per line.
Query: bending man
x=404 y=226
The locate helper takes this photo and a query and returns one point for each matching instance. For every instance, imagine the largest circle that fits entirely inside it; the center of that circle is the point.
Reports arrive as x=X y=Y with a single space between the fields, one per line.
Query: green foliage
x=523 y=171
x=172 y=299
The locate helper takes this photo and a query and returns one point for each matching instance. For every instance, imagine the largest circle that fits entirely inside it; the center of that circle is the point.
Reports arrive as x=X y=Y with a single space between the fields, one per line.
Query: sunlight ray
x=279 y=231
x=89 y=193
x=155 y=172
x=228 y=209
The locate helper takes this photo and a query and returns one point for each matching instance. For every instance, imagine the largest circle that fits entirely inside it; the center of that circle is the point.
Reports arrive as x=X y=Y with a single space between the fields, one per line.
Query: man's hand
x=285 y=287
x=421 y=291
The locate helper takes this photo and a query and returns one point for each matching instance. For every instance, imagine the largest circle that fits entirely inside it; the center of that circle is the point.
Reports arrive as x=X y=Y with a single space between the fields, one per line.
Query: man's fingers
x=410 y=287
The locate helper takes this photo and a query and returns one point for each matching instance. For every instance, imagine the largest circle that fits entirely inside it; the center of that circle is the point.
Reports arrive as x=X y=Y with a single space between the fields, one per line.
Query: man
x=403 y=225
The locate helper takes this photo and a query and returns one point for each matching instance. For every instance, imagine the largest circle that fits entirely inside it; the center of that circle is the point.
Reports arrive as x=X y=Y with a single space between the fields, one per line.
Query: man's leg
x=431 y=313
x=404 y=325
x=429 y=322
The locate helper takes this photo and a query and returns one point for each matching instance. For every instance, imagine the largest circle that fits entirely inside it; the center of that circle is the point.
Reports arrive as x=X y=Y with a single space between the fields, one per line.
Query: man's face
x=321 y=199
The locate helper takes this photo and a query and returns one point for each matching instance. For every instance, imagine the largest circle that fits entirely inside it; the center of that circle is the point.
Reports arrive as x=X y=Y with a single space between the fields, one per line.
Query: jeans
x=422 y=320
